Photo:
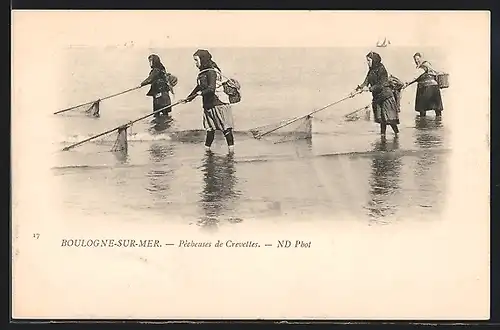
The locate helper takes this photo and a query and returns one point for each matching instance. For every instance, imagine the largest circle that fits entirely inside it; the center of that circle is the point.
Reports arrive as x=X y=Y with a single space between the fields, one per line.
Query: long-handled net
x=397 y=87
x=93 y=107
x=121 y=143
x=285 y=130
x=297 y=128
x=361 y=113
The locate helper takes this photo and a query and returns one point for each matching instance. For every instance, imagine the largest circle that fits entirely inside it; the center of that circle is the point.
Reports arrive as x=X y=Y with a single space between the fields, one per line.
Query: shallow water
x=345 y=169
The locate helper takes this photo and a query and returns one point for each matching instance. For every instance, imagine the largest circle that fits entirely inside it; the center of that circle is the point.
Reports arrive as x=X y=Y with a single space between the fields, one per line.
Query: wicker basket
x=443 y=80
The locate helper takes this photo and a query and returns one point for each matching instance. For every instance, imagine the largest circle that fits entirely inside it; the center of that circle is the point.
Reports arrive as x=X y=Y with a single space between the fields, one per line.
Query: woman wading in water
x=160 y=86
x=428 y=94
x=217 y=112
x=384 y=105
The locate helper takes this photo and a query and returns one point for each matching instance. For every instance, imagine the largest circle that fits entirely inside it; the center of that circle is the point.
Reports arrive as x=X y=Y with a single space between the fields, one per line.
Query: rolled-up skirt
x=386 y=112
x=218 y=118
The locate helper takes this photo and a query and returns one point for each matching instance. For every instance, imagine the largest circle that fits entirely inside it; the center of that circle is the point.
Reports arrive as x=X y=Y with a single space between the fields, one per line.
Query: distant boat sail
x=384 y=43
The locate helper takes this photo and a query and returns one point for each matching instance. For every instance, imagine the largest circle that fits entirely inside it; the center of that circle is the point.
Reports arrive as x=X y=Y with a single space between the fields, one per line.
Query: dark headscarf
x=156 y=62
x=206 y=60
x=422 y=60
x=376 y=60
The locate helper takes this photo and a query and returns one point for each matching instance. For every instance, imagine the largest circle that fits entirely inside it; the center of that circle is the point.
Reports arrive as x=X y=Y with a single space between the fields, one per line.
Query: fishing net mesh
x=285 y=131
x=121 y=142
x=90 y=109
x=360 y=114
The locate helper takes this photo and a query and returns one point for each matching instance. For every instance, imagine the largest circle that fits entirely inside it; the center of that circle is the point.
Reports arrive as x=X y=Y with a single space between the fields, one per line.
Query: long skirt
x=219 y=118
x=428 y=98
x=162 y=101
x=397 y=97
x=386 y=112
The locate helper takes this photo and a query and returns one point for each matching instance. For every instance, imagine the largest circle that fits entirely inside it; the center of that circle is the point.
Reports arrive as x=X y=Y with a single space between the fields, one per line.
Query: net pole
x=118 y=127
x=367 y=106
x=101 y=99
x=358 y=110
x=309 y=114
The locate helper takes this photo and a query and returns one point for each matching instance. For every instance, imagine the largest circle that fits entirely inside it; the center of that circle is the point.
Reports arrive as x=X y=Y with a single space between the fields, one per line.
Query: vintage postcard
x=250 y=164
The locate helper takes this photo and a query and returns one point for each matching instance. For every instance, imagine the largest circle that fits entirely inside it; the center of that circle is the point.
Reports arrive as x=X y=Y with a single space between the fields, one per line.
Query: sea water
x=345 y=169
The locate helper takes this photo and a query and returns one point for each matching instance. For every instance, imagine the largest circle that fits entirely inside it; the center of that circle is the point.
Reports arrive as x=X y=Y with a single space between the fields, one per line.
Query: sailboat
x=384 y=43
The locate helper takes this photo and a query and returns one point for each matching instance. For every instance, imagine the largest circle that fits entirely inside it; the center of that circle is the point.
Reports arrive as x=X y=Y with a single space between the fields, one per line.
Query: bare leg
x=229 y=139
x=209 y=139
x=383 y=128
x=395 y=128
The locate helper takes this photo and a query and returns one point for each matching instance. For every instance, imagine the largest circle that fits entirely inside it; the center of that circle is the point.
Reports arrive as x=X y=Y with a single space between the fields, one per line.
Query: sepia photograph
x=250 y=165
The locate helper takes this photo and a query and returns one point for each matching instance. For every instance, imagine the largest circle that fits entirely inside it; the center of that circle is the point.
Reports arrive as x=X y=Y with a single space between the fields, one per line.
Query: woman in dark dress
x=217 y=112
x=159 y=86
x=384 y=104
x=428 y=93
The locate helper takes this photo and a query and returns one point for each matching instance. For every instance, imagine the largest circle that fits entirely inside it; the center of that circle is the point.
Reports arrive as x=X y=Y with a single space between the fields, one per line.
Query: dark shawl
x=207 y=80
x=157 y=76
x=377 y=79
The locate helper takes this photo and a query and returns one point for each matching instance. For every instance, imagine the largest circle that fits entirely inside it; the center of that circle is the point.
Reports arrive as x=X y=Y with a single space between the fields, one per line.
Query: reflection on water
x=159 y=152
x=428 y=171
x=385 y=178
x=428 y=133
x=413 y=181
x=161 y=174
x=403 y=177
x=161 y=124
x=218 y=194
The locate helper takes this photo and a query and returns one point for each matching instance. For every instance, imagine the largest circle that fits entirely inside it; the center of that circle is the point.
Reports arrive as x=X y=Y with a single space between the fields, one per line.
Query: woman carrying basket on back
x=161 y=83
x=217 y=112
x=428 y=93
